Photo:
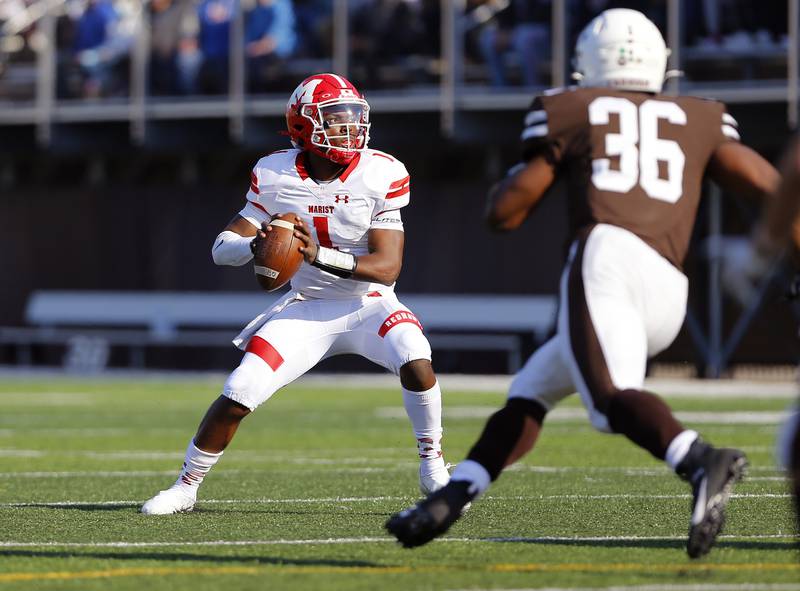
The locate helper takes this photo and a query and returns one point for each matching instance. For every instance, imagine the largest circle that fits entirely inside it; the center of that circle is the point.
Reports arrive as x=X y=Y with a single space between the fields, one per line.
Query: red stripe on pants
x=397 y=318
x=267 y=352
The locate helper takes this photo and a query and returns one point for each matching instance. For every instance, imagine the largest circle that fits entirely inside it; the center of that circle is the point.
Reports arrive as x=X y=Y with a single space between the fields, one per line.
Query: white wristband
x=333 y=261
x=231 y=248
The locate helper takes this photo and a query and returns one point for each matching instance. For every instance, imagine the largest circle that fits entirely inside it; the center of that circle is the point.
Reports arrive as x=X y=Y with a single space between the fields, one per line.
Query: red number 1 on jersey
x=321 y=226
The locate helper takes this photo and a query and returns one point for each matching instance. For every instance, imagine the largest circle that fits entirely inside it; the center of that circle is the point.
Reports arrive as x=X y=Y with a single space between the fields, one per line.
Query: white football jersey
x=367 y=195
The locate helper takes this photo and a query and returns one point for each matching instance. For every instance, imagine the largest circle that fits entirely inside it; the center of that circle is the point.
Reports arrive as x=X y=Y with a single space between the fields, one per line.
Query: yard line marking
x=665 y=587
x=394 y=467
x=116 y=474
x=266 y=501
x=369 y=540
x=391 y=569
x=48 y=399
x=482 y=384
x=626 y=470
x=57 y=504
x=146 y=473
x=753 y=417
x=21 y=453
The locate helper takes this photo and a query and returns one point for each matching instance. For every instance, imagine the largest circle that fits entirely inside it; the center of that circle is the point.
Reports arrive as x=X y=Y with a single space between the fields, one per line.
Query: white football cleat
x=173 y=500
x=432 y=478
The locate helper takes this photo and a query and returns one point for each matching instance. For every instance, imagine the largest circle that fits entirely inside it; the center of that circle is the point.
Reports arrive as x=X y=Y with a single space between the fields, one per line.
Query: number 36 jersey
x=631 y=159
x=367 y=195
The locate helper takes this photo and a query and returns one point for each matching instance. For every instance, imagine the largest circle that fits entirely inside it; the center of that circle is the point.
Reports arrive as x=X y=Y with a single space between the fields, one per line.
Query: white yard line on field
x=749 y=417
x=368 y=540
x=665 y=587
x=496 y=384
x=265 y=501
x=390 y=466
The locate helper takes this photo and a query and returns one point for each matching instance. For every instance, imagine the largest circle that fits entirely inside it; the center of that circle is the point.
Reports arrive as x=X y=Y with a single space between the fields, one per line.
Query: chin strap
x=341 y=264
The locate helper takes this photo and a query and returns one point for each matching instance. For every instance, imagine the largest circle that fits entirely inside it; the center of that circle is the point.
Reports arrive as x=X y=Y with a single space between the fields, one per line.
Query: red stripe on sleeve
x=261 y=207
x=398 y=193
x=267 y=352
x=400 y=183
x=397 y=318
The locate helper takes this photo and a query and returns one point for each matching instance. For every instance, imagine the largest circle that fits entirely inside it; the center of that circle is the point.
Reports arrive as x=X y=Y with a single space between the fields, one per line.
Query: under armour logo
x=342 y=198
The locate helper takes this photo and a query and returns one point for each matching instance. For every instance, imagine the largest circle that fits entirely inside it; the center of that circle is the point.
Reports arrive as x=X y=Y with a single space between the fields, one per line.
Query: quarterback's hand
x=262 y=233
x=309 y=248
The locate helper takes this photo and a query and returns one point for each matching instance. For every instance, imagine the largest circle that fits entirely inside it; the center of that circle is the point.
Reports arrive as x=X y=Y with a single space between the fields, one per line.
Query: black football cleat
x=432 y=516
x=714 y=473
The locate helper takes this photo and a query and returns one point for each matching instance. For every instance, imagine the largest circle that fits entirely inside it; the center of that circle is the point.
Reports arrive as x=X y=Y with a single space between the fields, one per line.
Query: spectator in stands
x=215 y=18
x=387 y=40
x=314 y=28
x=99 y=44
x=655 y=10
x=175 y=58
x=521 y=30
x=741 y=25
x=269 y=38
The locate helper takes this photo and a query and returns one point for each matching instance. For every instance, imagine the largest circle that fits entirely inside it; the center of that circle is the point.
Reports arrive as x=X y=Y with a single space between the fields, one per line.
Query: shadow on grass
x=183 y=557
x=202 y=510
x=663 y=544
x=81 y=507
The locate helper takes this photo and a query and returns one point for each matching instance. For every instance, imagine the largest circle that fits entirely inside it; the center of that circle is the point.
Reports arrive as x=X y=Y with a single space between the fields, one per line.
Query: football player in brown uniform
x=634 y=162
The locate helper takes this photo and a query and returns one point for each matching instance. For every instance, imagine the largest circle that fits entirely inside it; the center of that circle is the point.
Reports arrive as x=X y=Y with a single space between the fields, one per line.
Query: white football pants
x=621 y=303
x=293 y=336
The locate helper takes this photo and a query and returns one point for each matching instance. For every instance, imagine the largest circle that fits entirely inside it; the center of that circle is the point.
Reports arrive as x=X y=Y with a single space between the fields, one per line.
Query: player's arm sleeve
x=551 y=128
x=255 y=209
x=735 y=167
x=729 y=128
x=389 y=219
x=536 y=137
x=394 y=193
x=398 y=192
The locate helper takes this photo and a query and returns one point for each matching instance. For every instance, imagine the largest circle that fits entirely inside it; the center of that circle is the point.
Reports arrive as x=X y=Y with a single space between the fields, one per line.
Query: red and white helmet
x=327 y=115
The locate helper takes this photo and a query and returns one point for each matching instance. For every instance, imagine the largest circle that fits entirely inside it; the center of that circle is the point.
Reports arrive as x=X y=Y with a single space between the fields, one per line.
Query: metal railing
x=448 y=97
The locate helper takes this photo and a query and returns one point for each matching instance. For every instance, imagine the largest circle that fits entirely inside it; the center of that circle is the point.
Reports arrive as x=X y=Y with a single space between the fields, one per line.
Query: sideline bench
x=88 y=323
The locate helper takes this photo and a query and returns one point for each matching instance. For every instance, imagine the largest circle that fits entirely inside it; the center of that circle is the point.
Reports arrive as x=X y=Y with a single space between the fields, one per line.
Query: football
x=277 y=257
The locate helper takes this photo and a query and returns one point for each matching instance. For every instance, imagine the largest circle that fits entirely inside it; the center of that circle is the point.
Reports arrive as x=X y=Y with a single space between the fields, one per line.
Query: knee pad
x=406 y=342
x=250 y=384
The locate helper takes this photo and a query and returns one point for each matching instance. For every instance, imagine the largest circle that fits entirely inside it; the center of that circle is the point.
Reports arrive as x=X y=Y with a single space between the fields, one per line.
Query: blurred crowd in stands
x=391 y=42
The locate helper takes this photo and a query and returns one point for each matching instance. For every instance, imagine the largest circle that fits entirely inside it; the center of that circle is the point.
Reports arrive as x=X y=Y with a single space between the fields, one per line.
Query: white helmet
x=621 y=48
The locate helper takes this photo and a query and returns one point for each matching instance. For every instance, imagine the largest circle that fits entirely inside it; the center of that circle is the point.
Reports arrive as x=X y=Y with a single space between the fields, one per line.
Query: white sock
x=424 y=409
x=679 y=447
x=475 y=474
x=196 y=465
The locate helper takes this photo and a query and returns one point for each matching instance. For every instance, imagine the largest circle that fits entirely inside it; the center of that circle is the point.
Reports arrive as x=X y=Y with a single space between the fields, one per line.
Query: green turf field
x=300 y=498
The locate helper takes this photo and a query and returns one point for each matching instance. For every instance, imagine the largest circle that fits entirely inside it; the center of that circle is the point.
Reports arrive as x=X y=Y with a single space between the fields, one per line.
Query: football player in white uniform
x=342 y=298
x=634 y=161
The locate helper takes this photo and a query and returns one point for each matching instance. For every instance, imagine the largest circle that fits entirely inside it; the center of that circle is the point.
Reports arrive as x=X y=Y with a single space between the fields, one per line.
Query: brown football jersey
x=631 y=159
